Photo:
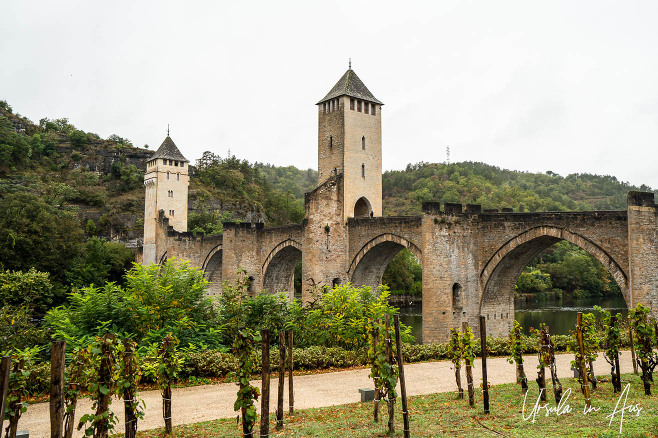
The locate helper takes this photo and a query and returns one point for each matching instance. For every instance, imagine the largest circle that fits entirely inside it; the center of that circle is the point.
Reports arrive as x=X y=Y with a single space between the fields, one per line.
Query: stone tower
x=166 y=180
x=350 y=143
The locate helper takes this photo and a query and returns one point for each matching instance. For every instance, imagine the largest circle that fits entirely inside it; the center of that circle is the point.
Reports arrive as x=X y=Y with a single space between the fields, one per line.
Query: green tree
x=78 y=139
x=33 y=234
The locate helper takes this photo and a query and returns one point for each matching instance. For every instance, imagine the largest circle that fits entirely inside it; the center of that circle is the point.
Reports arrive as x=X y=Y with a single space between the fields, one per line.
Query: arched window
x=363 y=170
x=456 y=295
x=363 y=142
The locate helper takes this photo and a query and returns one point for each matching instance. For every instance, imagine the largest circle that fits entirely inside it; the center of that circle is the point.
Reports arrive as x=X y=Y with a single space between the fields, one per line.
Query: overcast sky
x=563 y=86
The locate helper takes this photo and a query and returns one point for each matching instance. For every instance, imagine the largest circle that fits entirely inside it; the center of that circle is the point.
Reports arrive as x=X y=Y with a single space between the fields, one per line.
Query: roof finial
x=167 y=129
x=350 y=63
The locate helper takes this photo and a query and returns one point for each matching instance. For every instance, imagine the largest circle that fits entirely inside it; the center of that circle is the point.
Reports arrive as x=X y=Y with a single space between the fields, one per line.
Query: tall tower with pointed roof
x=350 y=143
x=166 y=180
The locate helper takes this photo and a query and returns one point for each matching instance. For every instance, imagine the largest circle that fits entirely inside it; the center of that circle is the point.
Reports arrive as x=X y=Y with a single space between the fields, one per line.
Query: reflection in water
x=413 y=316
x=560 y=316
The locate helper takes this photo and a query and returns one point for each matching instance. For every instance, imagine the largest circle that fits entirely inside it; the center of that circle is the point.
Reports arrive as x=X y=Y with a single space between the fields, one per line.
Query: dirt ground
x=209 y=402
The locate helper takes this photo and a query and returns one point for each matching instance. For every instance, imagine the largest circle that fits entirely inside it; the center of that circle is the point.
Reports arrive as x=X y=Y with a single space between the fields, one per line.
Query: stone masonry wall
x=643 y=249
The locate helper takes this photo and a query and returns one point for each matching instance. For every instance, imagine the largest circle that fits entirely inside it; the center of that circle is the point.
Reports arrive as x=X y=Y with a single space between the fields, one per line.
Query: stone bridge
x=471 y=259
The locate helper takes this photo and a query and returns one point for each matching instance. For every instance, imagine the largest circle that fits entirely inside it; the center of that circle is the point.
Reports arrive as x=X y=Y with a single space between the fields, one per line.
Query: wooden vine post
x=611 y=345
x=57 y=366
x=468 y=361
x=617 y=380
x=291 y=392
x=265 y=385
x=282 y=379
x=389 y=358
x=516 y=356
x=483 y=347
x=73 y=389
x=582 y=363
x=403 y=386
x=541 y=368
x=169 y=368
x=375 y=344
x=15 y=396
x=105 y=380
x=129 y=393
x=633 y=358
x=550 y=351
x=5 y=366
x=456 y=355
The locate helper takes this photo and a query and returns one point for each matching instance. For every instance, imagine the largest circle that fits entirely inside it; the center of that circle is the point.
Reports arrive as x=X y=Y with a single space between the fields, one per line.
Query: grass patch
x=439 y=415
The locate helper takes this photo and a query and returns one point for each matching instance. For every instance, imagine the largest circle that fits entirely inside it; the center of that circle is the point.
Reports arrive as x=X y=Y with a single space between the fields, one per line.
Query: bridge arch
x=499 y=275
x=368 y=265
x=212 y=267
x=278 y=269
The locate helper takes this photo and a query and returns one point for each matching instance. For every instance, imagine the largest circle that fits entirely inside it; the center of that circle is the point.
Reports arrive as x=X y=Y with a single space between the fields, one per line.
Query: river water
x=559 y=315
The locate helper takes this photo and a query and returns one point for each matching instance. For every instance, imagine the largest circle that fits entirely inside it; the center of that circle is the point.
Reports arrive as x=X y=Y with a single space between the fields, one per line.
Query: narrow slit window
x=331 y=141
x=374 y=109
x=178 y=177
x=352 y=104
x=167 y=175
x=363 y=170
x=358 y=105
x=363 y=142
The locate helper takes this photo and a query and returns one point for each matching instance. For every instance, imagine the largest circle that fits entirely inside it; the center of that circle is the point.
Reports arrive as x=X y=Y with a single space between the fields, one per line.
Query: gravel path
x=209 y=402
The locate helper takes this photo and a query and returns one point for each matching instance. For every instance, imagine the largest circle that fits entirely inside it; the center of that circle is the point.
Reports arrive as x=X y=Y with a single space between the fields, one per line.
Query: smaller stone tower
x=166 y=180
x=350 y=143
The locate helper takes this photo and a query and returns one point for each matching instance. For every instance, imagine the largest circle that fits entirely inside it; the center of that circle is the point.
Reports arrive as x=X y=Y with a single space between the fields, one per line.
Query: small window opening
x=363 y=170
x=366 y=106
x=176 y=163
x=167 y=175
x=335 y=282
x=331 y=141
x=250 y=284
x=358 y=105
x=374 y=109
x=363 y=142
x=178 y=177
x=352 y=104
x=324 y=108
x=457 y=295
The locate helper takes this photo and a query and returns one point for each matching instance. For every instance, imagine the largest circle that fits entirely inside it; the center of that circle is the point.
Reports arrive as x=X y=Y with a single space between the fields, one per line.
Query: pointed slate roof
x=350 y=85
x=169 y=151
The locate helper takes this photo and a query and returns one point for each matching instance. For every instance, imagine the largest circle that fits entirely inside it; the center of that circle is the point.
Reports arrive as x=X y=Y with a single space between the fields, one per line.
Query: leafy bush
x=17 y=331
x=155 y=301
x=32 y=289
x=342 y=316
